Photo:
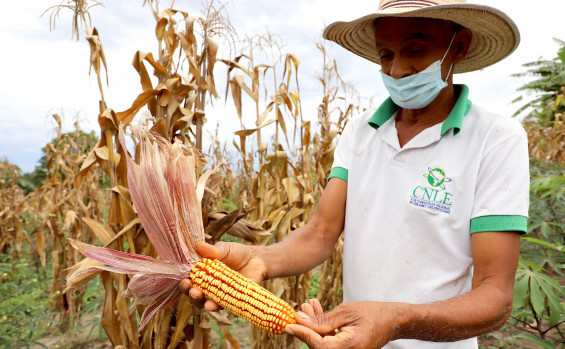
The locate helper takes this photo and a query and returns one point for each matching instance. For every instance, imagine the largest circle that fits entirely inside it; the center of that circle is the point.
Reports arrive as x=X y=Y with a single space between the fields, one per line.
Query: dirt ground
x=495 y=340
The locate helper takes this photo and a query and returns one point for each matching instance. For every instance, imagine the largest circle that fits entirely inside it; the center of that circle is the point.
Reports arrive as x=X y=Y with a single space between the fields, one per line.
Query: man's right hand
x=239 y=257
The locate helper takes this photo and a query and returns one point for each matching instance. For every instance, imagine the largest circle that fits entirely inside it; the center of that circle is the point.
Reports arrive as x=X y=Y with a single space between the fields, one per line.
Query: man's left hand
x=350 y=325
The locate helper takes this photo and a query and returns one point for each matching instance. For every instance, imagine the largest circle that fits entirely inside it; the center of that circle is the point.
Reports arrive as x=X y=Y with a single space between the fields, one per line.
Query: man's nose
x=400 y=68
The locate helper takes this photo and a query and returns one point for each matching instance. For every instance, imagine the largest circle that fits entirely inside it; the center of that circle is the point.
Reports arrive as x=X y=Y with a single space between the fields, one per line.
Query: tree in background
x=549 y=104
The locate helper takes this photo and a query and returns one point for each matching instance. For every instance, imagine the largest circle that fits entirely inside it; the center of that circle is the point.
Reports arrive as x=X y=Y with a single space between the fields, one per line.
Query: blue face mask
x=419 y=90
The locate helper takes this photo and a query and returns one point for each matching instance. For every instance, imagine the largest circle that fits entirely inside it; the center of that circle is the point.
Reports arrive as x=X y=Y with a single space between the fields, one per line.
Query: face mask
x=419 y=90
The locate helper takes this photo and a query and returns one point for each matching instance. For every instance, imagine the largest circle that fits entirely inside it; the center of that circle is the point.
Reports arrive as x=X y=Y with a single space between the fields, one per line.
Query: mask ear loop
x=445 y=55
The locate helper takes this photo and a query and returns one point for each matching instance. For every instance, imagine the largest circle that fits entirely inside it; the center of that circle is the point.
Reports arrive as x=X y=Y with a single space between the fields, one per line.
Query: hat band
x=408 y=3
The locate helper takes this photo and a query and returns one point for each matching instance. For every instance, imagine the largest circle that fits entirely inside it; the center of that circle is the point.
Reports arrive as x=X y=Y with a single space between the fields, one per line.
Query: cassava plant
x=539 y=304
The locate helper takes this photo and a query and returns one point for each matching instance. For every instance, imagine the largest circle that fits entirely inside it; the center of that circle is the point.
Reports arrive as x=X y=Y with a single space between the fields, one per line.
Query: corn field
x=263 y=186
x=256 y=189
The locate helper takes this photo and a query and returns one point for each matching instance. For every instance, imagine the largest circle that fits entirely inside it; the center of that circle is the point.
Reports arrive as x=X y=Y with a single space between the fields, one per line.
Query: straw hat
x=495 y=35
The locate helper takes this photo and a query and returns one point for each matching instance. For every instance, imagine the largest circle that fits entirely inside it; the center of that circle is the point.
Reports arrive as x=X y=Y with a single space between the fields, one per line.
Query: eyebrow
x=418 y=35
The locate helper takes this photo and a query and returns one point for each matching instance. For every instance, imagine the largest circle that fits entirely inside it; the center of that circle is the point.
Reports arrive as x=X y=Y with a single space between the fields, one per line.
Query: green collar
x=454 y=119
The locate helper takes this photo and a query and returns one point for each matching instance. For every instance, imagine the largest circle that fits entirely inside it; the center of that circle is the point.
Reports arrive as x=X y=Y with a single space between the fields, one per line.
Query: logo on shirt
x=433 y=194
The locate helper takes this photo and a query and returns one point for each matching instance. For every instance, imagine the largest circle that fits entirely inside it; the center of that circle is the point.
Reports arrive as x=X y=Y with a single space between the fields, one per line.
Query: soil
x=499 y=339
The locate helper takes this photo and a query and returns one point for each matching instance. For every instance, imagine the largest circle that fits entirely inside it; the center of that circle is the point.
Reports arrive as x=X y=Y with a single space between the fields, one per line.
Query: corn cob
x=241 y=296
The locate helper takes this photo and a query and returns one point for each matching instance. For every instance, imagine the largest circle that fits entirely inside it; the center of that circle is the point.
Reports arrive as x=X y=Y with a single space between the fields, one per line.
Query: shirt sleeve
x=341 y=166
x=502 y=194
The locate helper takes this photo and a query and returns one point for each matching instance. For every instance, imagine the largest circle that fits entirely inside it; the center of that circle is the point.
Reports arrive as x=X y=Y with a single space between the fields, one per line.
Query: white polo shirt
x=411 y=211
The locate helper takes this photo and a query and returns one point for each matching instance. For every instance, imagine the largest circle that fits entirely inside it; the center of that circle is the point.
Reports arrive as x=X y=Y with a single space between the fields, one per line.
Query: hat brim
x=495 y=35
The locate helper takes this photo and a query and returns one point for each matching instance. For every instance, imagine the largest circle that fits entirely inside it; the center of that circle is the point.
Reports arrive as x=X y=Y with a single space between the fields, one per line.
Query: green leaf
x=531 y=265
x=533 y=226
x=544 y=229
x=554 y=317
x=536 y=296
x=555 y=306
x=561 y=54
x=554 y=283
x=541 y=342
x=520 y=292
x=541 y=242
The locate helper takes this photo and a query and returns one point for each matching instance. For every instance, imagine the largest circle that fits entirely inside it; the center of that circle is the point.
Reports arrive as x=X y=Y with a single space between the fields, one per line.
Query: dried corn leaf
x=182 y=317
x=239 y=81
x=232 y=342
x=292 y=189
x=236 y=96
x=86 y=277
x=105 y=234
x=141 y=70
x=235 y=64
x=96 y=55
x=130 y=225
x=264 y=114
x=250 y=131
x=142 y=99
x=225 y=223
x=161 y=27
x=211 y=51
x=201 y=185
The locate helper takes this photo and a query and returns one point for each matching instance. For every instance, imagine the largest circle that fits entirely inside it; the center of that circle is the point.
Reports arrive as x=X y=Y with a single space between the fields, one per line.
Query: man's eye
x=386 y=56
x=416 y=52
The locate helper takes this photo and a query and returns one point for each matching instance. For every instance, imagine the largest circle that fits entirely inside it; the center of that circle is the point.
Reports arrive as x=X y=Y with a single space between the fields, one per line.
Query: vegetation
x=256 y=194
x=547 y=107
x=539 y=305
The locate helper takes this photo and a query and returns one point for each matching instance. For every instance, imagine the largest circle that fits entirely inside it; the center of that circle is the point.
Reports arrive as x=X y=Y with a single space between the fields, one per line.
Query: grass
x=25 y=318
x=24 y=301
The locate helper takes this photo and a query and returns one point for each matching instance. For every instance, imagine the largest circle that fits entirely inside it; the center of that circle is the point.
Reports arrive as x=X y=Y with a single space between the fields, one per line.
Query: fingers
x=324 y=323
x=235 y=256
x=196 y=297
x=317 y=306
x=314 y=340
x=210 y=305
x=185 y=286
x=308 y=309
x=312 y=308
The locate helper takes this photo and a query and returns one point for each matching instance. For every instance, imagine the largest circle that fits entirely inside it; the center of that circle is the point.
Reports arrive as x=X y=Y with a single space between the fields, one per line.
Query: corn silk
x=164 y=194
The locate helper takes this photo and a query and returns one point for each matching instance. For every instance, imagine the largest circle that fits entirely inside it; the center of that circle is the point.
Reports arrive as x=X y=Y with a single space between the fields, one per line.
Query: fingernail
x=303 y=315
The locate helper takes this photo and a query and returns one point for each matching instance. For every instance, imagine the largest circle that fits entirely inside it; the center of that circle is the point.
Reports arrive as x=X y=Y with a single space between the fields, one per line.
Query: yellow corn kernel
x=241 y=296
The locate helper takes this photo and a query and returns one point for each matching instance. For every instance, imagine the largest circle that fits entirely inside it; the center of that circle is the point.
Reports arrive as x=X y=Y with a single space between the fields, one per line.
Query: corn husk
x=163 y=190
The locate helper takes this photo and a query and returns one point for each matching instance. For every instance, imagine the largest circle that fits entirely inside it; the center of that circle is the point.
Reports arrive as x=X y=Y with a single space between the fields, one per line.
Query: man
x=430 y=191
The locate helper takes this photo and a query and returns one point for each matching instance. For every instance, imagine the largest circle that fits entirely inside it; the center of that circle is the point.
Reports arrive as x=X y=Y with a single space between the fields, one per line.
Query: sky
x=43 y=70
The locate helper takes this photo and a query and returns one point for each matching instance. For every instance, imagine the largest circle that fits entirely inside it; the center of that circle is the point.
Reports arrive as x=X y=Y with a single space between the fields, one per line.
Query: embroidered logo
x=433 y=195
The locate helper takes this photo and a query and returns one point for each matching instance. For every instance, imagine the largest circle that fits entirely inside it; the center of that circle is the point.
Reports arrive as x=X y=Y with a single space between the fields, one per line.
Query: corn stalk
x=12 y=204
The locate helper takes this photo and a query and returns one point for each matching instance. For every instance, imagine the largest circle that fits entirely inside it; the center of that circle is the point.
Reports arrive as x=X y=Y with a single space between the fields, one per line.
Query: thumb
x=306 y=335
x=209 y=251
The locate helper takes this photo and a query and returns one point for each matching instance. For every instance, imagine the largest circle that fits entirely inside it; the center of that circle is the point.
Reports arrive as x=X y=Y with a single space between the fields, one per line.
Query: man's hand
x=350 y=325
x=239 y=257
x=299 y=252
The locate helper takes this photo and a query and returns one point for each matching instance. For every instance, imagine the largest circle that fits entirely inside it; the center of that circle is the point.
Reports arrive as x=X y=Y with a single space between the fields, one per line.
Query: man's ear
x=462 y=44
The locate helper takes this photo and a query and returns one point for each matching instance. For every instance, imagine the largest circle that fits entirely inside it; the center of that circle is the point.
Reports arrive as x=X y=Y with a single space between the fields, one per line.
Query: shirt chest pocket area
x=433 y=192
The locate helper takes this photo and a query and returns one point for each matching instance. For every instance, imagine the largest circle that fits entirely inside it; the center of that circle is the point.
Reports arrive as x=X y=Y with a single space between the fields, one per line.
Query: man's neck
x=410 y=122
